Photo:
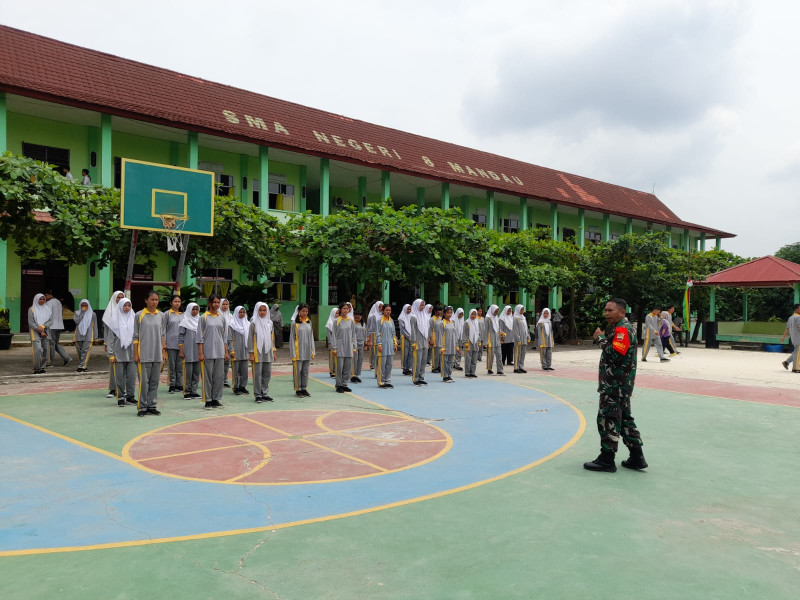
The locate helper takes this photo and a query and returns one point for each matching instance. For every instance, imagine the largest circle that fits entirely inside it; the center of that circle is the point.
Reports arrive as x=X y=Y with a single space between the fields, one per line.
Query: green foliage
x=247 y=294
x=790 y=252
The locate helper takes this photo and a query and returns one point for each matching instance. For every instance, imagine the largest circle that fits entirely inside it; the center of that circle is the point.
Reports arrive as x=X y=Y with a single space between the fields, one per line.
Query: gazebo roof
x=767 y=271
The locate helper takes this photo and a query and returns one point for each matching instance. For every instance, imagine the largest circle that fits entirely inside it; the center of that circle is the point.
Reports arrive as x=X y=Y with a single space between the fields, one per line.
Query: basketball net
x=174 y=225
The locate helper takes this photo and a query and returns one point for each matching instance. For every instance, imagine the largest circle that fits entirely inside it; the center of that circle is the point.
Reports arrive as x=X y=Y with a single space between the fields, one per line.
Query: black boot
x=635 y=460
x=604 y=462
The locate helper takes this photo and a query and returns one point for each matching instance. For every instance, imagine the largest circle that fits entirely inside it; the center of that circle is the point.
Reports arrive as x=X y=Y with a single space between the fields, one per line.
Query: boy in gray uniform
x=386 y=343
x=793 y=329
x=652 y=325
x=172 y=323
x=54 y=331
x=361 y=338
x=149 y=351
x=343 y=346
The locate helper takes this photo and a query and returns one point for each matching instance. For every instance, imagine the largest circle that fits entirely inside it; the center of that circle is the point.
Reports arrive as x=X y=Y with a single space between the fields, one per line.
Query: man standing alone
x=793 y=329
x=617 y=375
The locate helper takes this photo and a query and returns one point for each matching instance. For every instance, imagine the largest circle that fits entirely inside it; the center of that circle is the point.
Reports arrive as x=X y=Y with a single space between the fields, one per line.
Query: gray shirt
x=344 y=337
x=148 y=335
x=652 y=322
x=449 y=338
x=91 y=333
x=33 y=324
x=56 y=318
x=793 y=325
x=491 y=337
x=361 y=333
x=437 y=327
x=172 y=321
x=416 y=335
x=189 y=339
x=522 y=334
x=237 y=344
x=301 y=340
x=385 y=335
x=254 y=344
x=113 y=348
x=213 y=330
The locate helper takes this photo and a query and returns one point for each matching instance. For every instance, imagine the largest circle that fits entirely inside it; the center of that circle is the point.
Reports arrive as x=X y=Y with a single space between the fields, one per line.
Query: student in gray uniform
x=109 y=314
x=673 y=328
x=262 y=352
x=420 y=334
x=522 y=337
x=482 y=321
x=471 y=338
x=449 y=345
x=172 y=323
x=545 y=340
x=85 y=333
x=343 y=346
x=213 y=352
x=39 y=316
x=793 y=331
x=54 y=331
x=334 y=314
x=239 y=344
x=507 y=327
x=301 y=348
x=652 y=324
x=436 y=339
x=406 y=353
x=225 y=311
x=373 y=317
x=361 y=339
x=459 y=321
x=119 y=349
x=492 y=339
x=188 y=340
x=149 y=352
x=386 y=340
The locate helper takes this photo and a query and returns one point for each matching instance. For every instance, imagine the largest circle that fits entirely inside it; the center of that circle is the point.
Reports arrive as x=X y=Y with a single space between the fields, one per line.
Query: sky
x=697 y=101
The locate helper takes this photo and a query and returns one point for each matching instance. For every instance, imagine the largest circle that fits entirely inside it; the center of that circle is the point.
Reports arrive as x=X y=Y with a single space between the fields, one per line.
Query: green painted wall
x=35 y=130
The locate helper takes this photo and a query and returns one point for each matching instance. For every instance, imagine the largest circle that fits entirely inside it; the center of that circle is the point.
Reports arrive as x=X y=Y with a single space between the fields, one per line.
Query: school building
x=86 y=109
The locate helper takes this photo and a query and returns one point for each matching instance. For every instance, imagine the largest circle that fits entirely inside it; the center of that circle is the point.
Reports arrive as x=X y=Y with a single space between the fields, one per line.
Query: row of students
x=45 y=326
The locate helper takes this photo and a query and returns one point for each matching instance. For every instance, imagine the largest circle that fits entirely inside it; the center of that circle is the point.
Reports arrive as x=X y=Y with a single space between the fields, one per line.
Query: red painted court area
x=288 y=446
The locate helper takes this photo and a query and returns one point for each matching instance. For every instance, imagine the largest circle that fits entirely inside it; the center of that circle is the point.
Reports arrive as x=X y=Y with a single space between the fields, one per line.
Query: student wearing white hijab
x=225 y=312
x=406 y=354
x=522 y=338
x=188 y=338
x=239 y=340
x=507 y=327
x=261 y=348
x=544 y=339
x=493 y=337
x=301 y=348
x=458 y=319
x=85 y=333
x=109 y=315
x=373 y=317
x=329 y=324
x=471 y=336
x=420 y=333
x=119 y=349
x=39 y=319
x=277 y=324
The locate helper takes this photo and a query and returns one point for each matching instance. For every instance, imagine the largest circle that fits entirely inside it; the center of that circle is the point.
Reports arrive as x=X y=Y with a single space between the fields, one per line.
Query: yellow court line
x=319 y=423
x=196 y=451
x=270 y=427
x=349 y=457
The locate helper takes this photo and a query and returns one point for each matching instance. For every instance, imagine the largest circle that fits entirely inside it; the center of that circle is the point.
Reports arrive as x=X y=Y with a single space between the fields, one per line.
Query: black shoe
x=196 y=396
x=305 y=393
x=141 y=413
x=664 y=360
x=550 y=369
x=339 y=390
x=390 y=386
x=178 y=388
x=417 y=382
x=79 y=370
x=355 y=380
x=522 y=371
x=500 y=373
x=785 y=365
x=111 y=394
x=208 y=406
x=187 y=396
x=171 y=390
x=423 y=382
x=517 y=371
x=267 y=399
x=258 y=399
x=121 y=402
x=153 y=411
x=66 y=362
x=236 y=391
x=636 y=460
x=457 y=368
x=244 y=391
x=604 y=462
x=644 y=360
x=347 y=389
x=226 y=384
x=383 y=387
x=300 y=394
x=449 y=380
x=217 y=404
x=42 y=371
x=436 y=371
x=130 y=400
x=490 y=372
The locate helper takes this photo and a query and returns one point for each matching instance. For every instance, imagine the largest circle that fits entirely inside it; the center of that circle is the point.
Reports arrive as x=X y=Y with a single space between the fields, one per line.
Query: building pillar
x=420 y=200
x=105 y=275
x=386 y=185
x=554 y=221
x=244 y=168
x=324 y=210
x=712 y=308
x=362 y=194
x=490 y=225
x=745 y=311
x=702 y=241
x=444 y=289
x=606 y=227
x=581 y=228
x=687 y=240
x=669 y=236
x=796 y=292
x=629 y=225
x=193 y=142
x=263 y=178
x=718 y=243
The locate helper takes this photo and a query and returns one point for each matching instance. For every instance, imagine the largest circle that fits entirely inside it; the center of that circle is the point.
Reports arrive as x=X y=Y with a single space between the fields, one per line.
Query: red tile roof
x=768 y=271
x=40 y=67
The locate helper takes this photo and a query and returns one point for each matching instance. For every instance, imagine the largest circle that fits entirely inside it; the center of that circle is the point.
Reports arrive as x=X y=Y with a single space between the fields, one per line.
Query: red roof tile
x=768 y=271
x=36 y=66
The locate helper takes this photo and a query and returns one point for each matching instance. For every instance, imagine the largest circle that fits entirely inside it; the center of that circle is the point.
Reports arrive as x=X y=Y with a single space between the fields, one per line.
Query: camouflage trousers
x=614 y=417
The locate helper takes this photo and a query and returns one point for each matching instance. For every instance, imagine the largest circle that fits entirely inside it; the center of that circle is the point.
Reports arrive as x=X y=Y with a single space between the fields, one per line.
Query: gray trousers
x=651 y=337
x=794 y=360
x=191 y=377
x=494 y=352
x=420 y=360
x=240 y=374
x=358 y=362
x=174 y=366
x=112 y=380
x=262 y=372
x=344 y=364
x=226 y=366
x=471 y=360
x=447 y=365
x=519 y=355
x=83 y=354
x=546 y=356
x=54 y=345
x=457 y=360
x=300 y=374
x=373 y=356
x=331 y=363
x=149 y=374
x=125 y=374
x=37 y=350
x=408 y=355
x=385 y=372
x=436 y=358
x=213 y=378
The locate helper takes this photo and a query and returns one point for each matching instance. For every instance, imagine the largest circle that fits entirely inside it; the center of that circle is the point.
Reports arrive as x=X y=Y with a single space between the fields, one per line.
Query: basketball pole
x=131 y=260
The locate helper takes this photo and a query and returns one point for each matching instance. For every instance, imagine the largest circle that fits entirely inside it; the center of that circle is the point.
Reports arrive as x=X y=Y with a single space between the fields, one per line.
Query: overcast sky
x=698 y=100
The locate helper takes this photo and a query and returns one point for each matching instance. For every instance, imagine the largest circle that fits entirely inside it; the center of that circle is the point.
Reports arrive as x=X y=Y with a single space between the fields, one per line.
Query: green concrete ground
x=714 y=517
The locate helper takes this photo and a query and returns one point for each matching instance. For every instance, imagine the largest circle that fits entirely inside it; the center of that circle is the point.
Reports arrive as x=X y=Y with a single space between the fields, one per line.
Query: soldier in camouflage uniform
x=617 y=375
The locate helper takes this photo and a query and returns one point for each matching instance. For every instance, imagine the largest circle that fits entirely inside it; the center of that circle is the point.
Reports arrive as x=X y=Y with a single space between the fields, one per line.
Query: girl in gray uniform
x=212 y=351
x=361 y=338
x=471 y=342
x=119 y=348
x=373 y=317
x=172 y=322
x=493 y=337
x=449 y=343
x=149 y=352
x=420 y=333
x=301 y=348
x=544 y=340
x=386 y=340
x=188 y=338
x=522 y=337
x=406 y=354
x=239 y=336
x=329 y=328
x=85 y=333
x=261 y=348
x=225 y=311
x=482 y=322
x=343 y=346
x=507 y=327
x=39 y=318
x=436 y=340
x=109 y=316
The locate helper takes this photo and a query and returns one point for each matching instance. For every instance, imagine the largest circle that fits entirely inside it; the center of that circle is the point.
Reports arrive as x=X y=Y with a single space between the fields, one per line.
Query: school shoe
x=171 y=390
x=48 y=364
x=258 y=399
x=423 y=382
x=522 y=371
x=339 y=390
x=244 y=391
x=663 y=360
x=355 y=380
x=785 y=365
x=390 y=386
x=187 y=396
x=300 y=394
x=457 y=368
x=226 y=384
x=636 y=460
x=66 y=362
x=141 y=413
x=178 y=388
x=644 y=360
x=130 y=400
x=604 y=462
x=217 y=404
x=501 y=374
x=549 y=369
x=347 y=389
x=436 y=371
x=196 y=396
x=417 y=382
x=208 y=406
x=305 y=393
x=236 y=391
x=121 y=402
x=449 y=380
x=517 y=371
x=153 y=411
x=383 y=387
x=490 y=372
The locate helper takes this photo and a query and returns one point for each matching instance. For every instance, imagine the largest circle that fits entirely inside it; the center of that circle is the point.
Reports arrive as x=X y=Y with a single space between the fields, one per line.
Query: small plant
x=4 y=324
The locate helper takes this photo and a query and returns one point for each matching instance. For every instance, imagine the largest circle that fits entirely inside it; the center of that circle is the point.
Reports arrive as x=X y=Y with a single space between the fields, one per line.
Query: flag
x=687 y=323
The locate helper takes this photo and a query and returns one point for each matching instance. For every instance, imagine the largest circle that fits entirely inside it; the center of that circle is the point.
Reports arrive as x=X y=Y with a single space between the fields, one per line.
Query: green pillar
x=554 y=221
x=687 y=240
x=444 y=290
x=745 y=311
x=386 y=185
x=629 y=225
x=606 y=227
x=193 y=141
x=105 y=276
x=244 y=169
x=420 y=200
x=490 y=225
x=362 y=194
x=523 y=226
x=796 y=292
x=712 y=309
x=324 y=210
x=303 y=190
x=581 y=228
x=702 y=241
x=263 y=178
x=718 y=244
x=669 y=236
x=93 y=140
x=3 y=123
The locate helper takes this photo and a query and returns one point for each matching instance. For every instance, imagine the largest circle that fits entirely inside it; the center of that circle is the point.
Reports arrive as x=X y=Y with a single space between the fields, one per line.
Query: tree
x=790 y=252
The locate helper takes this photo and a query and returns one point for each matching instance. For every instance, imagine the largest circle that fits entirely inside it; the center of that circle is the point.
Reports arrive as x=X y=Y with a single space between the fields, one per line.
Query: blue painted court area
x=59 y=495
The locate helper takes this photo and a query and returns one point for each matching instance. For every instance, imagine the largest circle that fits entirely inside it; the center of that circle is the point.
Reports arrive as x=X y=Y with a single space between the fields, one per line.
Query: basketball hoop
x=174 y=224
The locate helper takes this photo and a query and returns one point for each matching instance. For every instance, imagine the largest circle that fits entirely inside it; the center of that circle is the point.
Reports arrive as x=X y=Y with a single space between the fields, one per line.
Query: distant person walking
x=55 y=330
x=651 y=336
x=277 y=324
x=793 y=330
x=674 y=326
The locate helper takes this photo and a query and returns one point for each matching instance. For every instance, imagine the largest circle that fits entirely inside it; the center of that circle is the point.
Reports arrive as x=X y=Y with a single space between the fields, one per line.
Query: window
x=224 y=183
x=511 y=225
x=569 y=235
x=284 y=288
x=215 y=281
x=256 y=192
x=593 y=235
x=48 y=154
x=117 y=172
x=281 y=196
x=479 y=220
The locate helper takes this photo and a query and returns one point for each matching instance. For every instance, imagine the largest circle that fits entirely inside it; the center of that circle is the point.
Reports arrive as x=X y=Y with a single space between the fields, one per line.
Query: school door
x=37 y=278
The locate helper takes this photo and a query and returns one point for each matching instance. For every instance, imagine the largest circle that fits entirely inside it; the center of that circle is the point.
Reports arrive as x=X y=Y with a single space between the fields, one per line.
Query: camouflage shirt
x=617 y=360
